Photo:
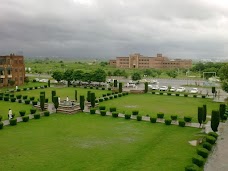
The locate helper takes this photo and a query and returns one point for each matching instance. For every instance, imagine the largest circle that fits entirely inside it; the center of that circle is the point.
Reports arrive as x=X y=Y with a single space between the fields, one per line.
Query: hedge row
x=110 y=96
x=178 y=94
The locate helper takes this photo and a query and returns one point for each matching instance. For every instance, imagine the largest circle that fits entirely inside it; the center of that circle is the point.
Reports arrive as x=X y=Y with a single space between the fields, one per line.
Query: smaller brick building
x=12 y=68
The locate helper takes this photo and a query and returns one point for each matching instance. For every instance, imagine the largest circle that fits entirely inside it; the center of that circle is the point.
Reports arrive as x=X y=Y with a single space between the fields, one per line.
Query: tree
x=215 y=120
x=92 y=99
x=87 y=77
x=146 y=87
x=109 y=73
x=26 y=80
x=204 y=113
x=136 y=76
x=88 y=96
x=42 y=99
x=53 y=93
x=120 y=87
x=103 y=64
x=57 y=75
x=147 y=72
x=223 y=72
x=172 y=73
x=225 y=85
x=78 y=75
x=68 y=76
x=76 y=95
x=222 y=110
x=56 y=103
x=82 y=102
x=99 y=75
x=49 y=83
x=115 y=83
x=200 y=115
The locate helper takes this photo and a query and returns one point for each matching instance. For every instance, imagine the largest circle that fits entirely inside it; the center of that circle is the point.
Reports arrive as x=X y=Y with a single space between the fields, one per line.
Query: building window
x=1 y=80
x=1 y=72
x=9 y=72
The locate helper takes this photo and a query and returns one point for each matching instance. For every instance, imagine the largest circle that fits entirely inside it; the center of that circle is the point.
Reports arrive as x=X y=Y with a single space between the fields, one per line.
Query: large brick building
x=12 y=68
x=159 y=62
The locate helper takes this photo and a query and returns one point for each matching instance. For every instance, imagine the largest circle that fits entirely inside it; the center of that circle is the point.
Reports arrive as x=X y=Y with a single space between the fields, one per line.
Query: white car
x=131 y=84
x=194 y=90
x=163 y=88
x=153 y=87
x=180 y=89
x=172 y=89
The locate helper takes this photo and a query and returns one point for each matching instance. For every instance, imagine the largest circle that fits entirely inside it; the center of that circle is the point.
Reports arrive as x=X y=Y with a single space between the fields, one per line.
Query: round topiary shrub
x=33 y=110
x=18 y=89
x=181 y=123
x=161 y=93
x=112 y=109
x=110 y=97
x=97 y=88
x=207 y=145
x=104 y=95
x=169 y=94
x=103 y=112
x=13 y=99
x=92 y=111
x=210 y=139
x=115 y=96
x=139 y=118
x=203 y=96
x=37 y=116
x=177 y=94
x=27 y=101
x=24 y=89
x=198 y=160
x=109 y=88
x=187 y=118
x=192 y=167
x=135 y=112
x=34 y=102
x=32 y=98
x=6 y=98
x=101 y=100
x=153 y=120
x=203 y=152
x=18 y=96
x=194 y=95
x=19 y=101
x=127 y=116
x=185 y=95
x=1 y=97
x=102 y=107
x=46 y=113
x=173 y=117
x=115 y=114
x=102 y=88
x=91 y=87
x=160 y=115
x=13 y=122
x=213 y=134
x=168 y=121
x=25 y=97
x=46 y=100
x=35 y=87
x=25 y=118
x=1 y=125
x=153 y=92
x=106 y=98
x=11 y=95
x=22 y=112
x=120 y=95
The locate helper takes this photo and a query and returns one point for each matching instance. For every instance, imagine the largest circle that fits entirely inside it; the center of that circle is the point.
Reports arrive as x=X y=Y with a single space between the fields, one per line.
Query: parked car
x=172 y=89
x=180 y=89
x=194 y=90
x=131 y=84
x=163 y=88
x=153 y=87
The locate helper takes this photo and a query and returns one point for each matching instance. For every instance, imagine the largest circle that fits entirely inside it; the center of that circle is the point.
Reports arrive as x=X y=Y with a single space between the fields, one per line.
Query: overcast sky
x=110 y=28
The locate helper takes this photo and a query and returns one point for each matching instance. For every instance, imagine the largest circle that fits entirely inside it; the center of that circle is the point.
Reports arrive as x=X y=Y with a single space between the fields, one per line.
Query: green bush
x=181 y=123
x=110 y=97
x=104 y=95
x=187 y=118
x=210 y=139
x=25 y=118
x=139 y=118
x=6 y=94
x=92 y=111
x=203 y=152
x=6 y=98
x=85 y=87
x=46 y=113
x=213 y=134
x=102 y=88
x=135 y=112
x=32 y=98
x=168 y=121
x=160 y=115
x=46 y=100
x=194 y=95
x=207 y=145
x=25 y=97
x=112 y=109
x=13 y=99
x=0 y=117
x=108 y=94
x=11 y=95
x=106 y=98
x=203 y=96
x=35 y=87
x=13 y=122
x=127 y=116
x=161 y=93
x=153 y=92
x=103 y=112
x=18 y=89
x=120 y=95
x=34 y=102
x=185 y=95
x=173 y=117
x=91 y=87
x=102 y=107
x=153 y=120
x=22 y=112
x=18 y=96
x=27 y=101
x=109 y=88
x=24 y=89
x=37 y=116
x=30 y=88
x=101 y=100
x=115 y=96
x=169 y=94
x=33 y=110
x=198 y=160
x=115 y=114
x=177 y=94
x=1 y=125
x=19 y=101
x=1 y=97
x=192 y=167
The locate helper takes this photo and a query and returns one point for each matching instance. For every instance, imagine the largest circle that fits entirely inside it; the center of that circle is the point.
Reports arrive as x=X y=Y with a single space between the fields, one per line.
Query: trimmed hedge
x=194 y=95
x=0 y=118
x=115 y=114
x=106 y=98
x=127 y=116
x=24 y=97
x=185 y=95
x=102 y=107
x=13 y=122
x=92 y=111
x=192 y=167
x=13 y=99
x=103 y=112
x=112 y=109
x=173 y=117
x=27 y=101
x=213 y=134
x=25 y=118
x=187 y=118
x=210 y=139
x=6 y=98
x=37 y=116
x=177 y=94
x=46 y=113
x=1 y=125
x=203 y=152
x=139 y=118
x=34 y=102
x=18 y=96
x=135 y=112
x=168 y=121
x=153 y=120
x=181 y=123
x=32 y=98
x=207 y=145
x=198 y=160
x=110 y=97
x=101 y=100
x=22 y=112
x=160 y=115
x=33 y=110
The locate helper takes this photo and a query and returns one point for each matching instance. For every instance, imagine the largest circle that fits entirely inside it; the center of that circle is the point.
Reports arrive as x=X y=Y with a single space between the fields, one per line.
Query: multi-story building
x=159 y=62
x=12 y=70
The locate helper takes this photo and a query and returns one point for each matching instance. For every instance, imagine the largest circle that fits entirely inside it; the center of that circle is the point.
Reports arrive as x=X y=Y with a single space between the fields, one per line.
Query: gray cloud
x=101 y=28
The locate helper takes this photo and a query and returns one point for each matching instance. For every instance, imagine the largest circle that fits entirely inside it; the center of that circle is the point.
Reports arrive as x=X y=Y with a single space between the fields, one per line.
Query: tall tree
x=82 y=102
x=99 y=75
x=78 y=75
x=57 y=75
x=204 y=113
x=136 y=76
x=92 y=99
x=200 y=115
x=146 y=87
x=68 y=76
x=56 y=103
x=222 y=110
x=215 y=120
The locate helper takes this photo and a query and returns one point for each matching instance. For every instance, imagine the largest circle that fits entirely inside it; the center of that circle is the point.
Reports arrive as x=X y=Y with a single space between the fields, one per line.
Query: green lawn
x=152 y=104
x=92 y=142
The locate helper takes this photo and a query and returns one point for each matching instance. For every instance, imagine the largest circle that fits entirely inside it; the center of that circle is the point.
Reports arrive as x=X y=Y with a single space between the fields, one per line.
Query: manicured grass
x=152 y=104
x=26 y=85
x=92 y=142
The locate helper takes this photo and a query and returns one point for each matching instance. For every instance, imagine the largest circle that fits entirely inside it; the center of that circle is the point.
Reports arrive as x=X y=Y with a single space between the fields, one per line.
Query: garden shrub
x=106 y=98
x=153 y=120
x=192 y=167
x=161 y=93
x=91 y=87
x=97 y=88
x=194 y=95
x=32 y=98
x=210 y=139
x=24 y=89
x=169 y=94
x=177 y=94
x=127 y=116
x=198 y=160
x=6 y=98
x=92 y=111
x=203 y=152
x=45 y=86
x=25 y=118
x=139 y=118
x=109 y=88
x=115 y=96
x=37 y=116
x=19 y=101
x=13 y=122
x=225 y=117
x=187 y=118
x=1 y=125
x=110 y=97
x=33 y=110
x=18 y=89
x=6 y=94
x=46 y=100
x=207 y=145
x=115 y=114
x=1 y=97
x=18 y=96
x=30 y=88
x=168 y=121
x=153 y=92
x=160 y=115
x=25 y=97
x=173 y=117
x=108 y=94
x=22 y=112
x=11 y=95
x=46 y=113
x=104 y=95
x=213 y=134
x=34 y=102
x=135 y=112
x=203 y=96
x=0 y=117
x=101 y=100
x=112 y=109
x=85 y=87
x=185 y=95
x=181 y=123
x=102 y=107
x=27 y=101
x=103 y=112
x=102 y=88
x=13 y=99
x=120 y=95
x=96 y=101
x=35 y=87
